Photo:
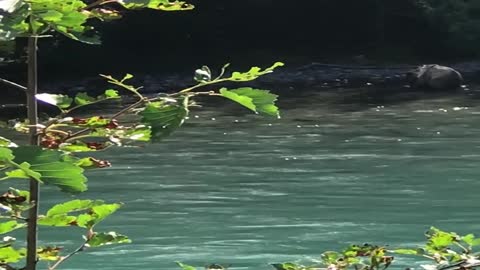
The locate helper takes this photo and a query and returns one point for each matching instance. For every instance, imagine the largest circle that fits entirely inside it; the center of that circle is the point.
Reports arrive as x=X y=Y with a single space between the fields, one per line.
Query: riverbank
x=312 y=76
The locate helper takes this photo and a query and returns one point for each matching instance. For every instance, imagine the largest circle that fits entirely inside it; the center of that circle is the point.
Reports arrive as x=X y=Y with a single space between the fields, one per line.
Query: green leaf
x=259 y=101
x=24 y=172
x=14 y=24
x=110 y=93
x=253 y=73
x=73 y=206
x=165 y=5
x=330 y=257
x=65 y=17
x=107 y=238
x=78 y=146
x=470 y=240
x=439 y=239
x=57 y=220
x=90 y=213
x=163 y=118
x=96 y=214
x=61 y=101
x=10 y=255
x=4 y=142
x=6 y=154
x=6 y=227
x=185 y=266
x=406 y=251
x=54 y=170
x=83 y=98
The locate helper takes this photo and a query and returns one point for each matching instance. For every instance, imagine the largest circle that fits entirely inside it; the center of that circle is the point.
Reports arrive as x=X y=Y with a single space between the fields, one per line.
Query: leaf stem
x=125 y=110
x=64 y=258
x=76 y=134
x=464 y=249
x=200 y=85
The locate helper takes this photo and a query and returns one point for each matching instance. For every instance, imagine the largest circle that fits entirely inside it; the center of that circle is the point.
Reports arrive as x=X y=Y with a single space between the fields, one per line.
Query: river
x=235 y=188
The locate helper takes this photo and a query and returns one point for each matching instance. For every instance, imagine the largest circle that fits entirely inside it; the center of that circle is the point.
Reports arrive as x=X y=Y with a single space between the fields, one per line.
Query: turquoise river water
x=234 y=188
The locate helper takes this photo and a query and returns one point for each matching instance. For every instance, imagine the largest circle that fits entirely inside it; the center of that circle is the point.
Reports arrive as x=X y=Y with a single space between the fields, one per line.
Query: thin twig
x=64 y=258
x=21 y=87
x=133 y=106
x=76 y=134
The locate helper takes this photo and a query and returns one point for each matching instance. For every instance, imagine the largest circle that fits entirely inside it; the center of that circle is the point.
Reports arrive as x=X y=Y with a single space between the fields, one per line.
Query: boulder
x=435 y=77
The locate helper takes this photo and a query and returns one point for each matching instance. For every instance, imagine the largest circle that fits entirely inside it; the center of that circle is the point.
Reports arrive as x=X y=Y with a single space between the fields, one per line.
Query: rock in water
x=435 y=77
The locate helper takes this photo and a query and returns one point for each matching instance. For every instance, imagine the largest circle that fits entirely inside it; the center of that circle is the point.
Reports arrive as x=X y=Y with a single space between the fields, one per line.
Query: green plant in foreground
x=50 y=158
x=445 y=251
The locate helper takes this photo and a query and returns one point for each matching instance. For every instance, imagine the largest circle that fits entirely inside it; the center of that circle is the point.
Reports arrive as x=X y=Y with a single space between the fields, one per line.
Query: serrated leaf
x=57 y=220
x=259 y=101
x=165 y=5
x=10 y=255
x=89 y=212
x=185 y=266
x=163 y=118
x=96 y=214
x=54 y=170
x=108 y=238
x=6 y=227
x=253 y=73
x=61 y=101
x=73 y=206
x=24 y=172
x=83 y=98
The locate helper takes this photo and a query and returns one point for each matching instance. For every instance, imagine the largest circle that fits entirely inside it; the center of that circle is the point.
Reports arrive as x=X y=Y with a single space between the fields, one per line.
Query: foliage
x=70 y=18
x=445 y=250
x=459 y=22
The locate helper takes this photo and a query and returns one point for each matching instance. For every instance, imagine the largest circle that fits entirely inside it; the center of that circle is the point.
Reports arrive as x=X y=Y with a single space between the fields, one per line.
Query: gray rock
x=435 y=77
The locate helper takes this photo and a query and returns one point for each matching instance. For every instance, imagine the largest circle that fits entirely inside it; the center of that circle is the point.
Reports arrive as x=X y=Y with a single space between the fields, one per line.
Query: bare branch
x=16 y=85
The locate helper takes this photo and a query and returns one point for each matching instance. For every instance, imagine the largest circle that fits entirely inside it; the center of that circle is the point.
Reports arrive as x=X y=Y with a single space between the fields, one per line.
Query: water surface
x=238 y=189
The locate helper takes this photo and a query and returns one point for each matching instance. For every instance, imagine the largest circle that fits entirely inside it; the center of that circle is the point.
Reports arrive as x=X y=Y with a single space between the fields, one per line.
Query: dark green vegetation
x=49 y=158
x=442 y=250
